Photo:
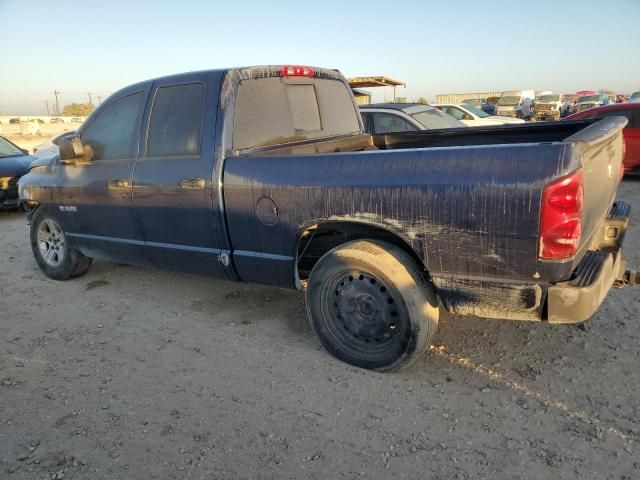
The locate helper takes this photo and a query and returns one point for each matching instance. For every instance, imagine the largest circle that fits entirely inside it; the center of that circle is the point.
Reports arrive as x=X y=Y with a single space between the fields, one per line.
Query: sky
x=97 y=47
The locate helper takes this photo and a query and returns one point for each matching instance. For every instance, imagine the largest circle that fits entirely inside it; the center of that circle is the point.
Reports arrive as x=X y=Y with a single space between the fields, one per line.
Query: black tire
x=69 y=264
x=371 y=305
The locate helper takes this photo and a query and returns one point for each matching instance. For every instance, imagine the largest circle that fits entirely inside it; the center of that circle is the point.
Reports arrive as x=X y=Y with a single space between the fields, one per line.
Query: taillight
x=561 y=217
x=296 y=71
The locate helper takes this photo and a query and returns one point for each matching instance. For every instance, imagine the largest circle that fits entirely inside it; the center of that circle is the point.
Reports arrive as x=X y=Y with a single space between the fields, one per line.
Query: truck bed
x=470 y=210
x=547 y=132
x=492 y=135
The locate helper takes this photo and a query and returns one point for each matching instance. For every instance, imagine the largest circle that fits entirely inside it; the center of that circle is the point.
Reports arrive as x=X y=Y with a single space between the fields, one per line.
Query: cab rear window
x=276 y=111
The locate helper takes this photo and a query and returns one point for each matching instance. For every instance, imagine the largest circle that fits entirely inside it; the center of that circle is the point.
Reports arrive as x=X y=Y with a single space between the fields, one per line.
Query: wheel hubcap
x=365 y=308
x=51 y=242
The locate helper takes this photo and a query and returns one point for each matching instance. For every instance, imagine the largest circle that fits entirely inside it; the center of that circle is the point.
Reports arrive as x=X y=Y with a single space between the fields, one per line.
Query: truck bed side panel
x=466 y=211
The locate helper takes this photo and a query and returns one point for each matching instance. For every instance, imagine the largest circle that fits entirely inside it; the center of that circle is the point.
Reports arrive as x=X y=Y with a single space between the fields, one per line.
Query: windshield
x=8 y=149
x=589 y=98
x=476 y=111
x=549 y=98
x=509 y=100
x=476 y=102
x=434 y=118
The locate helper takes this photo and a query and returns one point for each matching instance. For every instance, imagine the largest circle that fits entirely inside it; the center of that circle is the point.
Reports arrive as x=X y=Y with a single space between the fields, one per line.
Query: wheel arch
x=314 y=240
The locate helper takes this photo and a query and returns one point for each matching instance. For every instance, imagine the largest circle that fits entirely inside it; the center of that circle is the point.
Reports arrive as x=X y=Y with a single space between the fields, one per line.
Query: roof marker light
x=296 y=71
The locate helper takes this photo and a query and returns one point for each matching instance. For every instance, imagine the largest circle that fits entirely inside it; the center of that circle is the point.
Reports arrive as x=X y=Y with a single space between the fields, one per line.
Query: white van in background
x=516 y=103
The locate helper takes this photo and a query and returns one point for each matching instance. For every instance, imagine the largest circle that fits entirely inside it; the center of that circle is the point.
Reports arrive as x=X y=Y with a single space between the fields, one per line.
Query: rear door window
x=276 y=111
x=454 y=112
x=176 y=121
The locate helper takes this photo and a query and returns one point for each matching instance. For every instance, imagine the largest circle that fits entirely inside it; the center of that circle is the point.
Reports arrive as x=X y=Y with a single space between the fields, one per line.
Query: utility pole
x=99 y=99
x=56 y=93
x=46 y=102
x=89 y=98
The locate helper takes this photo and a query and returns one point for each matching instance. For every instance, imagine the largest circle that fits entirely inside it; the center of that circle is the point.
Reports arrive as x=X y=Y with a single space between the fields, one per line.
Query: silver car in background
x=405 y=117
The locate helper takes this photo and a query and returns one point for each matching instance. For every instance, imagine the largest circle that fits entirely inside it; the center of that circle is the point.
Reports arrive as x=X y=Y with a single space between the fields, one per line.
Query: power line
x=90 y=102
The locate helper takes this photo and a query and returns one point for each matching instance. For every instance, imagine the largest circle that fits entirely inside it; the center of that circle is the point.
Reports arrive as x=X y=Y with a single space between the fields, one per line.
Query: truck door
x=173 y=188
x=95 y=203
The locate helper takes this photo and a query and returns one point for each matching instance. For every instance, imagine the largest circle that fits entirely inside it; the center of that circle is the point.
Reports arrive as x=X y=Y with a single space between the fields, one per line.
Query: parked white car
x=474 y=117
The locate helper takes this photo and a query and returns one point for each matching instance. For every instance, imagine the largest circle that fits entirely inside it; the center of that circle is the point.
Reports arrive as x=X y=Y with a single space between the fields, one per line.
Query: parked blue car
x=14 y=163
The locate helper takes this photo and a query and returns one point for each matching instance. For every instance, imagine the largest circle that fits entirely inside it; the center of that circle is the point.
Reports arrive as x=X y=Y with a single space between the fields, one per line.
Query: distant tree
x=401 y=99
x=423 y=101
x=78 y=109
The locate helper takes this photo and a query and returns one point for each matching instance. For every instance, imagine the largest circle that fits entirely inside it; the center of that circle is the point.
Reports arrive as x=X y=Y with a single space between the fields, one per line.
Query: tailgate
x=600 y=146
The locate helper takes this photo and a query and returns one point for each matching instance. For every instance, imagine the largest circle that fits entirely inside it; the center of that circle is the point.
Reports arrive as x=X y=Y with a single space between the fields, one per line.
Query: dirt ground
x=128 y=373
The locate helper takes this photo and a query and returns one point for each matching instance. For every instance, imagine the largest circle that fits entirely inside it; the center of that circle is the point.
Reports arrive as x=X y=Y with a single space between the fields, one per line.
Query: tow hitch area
x=630 y=277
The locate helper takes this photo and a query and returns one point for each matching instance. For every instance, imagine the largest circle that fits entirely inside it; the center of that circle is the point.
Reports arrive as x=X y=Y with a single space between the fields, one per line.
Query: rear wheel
x=371 y=305
x=55 y=257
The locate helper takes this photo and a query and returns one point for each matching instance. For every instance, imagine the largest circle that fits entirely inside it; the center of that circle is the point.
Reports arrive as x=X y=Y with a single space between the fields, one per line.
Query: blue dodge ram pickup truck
x=264 y=174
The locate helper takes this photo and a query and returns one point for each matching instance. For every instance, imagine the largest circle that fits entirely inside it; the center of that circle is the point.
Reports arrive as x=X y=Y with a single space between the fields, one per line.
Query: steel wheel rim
x=362 y=312
x=51 y=243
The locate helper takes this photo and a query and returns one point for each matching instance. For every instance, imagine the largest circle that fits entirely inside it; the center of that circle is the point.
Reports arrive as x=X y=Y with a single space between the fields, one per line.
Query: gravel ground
x=139 y=374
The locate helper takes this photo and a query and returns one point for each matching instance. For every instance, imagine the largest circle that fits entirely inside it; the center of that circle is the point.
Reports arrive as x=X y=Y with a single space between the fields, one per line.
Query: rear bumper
x=632 y=167
x=578 y=299
x=8 y=197
x=570 y=303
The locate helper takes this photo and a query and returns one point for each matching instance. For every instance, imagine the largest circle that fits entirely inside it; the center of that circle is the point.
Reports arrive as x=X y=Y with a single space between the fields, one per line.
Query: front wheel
x=371 y=305
x=53 y=254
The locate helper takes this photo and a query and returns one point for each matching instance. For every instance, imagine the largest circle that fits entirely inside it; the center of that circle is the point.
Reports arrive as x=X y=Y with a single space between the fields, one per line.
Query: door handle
x=192 y=183
x=119 y=183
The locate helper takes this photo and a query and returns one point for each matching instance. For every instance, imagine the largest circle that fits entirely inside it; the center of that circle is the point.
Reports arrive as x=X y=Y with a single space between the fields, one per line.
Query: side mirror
x=72 y=150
